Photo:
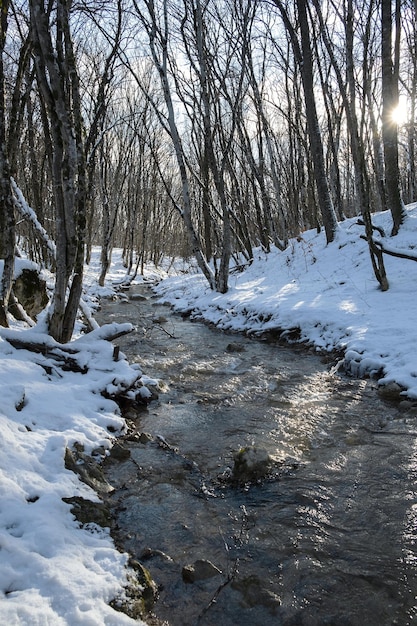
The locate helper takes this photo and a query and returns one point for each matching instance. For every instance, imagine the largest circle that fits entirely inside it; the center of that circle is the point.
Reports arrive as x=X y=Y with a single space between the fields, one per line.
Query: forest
x=198 y=128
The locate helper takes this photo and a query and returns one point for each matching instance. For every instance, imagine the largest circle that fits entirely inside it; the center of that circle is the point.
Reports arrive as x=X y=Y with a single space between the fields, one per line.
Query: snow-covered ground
x=328 y=292
x=54 y=572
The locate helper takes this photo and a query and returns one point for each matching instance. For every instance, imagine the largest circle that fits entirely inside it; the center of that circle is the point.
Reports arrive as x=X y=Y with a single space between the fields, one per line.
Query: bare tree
x=264 y=117
x=7 y=229
x=157 y=28
x=217 y=59
x=279 y=236
x=390 y=77
x=408 y=81
x=348 y=93
x=58 y=84
x=303 y=53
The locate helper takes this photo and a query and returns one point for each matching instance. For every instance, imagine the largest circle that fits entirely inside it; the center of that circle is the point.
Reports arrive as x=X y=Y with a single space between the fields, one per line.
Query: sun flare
x=399 y=113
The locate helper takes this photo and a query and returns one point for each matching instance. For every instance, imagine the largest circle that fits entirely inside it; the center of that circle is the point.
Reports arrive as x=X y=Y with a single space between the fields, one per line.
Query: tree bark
x=158 y=35
x=390 y=76
x=7 y=223
x=358 y=153
x=58 y=83
x=303 y=55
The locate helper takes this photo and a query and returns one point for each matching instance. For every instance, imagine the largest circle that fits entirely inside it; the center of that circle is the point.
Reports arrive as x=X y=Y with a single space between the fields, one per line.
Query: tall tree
x=58 y=84
x=7 y=227
x=218 y=101
x=410 y=84
x=303 y=53
x=279 y=236
x=390 y=77
x=348 y=93
x=157 y=28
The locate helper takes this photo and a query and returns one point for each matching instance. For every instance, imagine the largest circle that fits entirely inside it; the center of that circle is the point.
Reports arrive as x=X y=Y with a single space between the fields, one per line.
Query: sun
x=399 y=113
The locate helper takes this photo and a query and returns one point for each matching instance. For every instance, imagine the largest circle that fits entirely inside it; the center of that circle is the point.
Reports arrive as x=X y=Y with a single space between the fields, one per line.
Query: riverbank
x=324 y=295
x=59 y=564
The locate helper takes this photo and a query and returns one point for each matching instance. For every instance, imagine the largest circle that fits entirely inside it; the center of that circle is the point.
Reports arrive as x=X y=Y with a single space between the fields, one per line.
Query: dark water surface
x=329 y=537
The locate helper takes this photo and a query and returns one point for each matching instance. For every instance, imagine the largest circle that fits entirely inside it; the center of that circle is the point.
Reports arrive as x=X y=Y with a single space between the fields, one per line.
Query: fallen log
x=64 y=356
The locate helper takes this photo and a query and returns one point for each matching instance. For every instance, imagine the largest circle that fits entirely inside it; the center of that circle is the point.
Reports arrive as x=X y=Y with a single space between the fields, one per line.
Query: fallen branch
x=378 y=228
x=108 y=332
x=39 y=345
x=54 y=356
x=29 y=214
x=400 y=254
x=60 y=355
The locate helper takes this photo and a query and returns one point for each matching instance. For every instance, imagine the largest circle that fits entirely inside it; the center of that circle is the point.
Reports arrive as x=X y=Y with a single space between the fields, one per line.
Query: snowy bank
x=328 y=293
x=53 y=570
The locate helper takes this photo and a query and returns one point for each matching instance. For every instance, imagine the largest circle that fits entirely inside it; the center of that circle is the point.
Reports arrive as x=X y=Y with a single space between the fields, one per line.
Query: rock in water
x=251 y=463
x=200 y=570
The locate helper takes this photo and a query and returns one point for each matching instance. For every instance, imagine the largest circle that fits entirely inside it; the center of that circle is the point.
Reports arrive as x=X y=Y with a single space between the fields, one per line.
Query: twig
x=239 y=542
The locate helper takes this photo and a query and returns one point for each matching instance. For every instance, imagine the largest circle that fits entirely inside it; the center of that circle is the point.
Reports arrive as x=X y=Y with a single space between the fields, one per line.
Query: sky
x=53 y=571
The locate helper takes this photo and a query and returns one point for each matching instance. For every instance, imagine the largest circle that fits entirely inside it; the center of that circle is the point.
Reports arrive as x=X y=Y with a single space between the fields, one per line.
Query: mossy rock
x=89 y=471
x=251 y=464
x=30 y=290
x=139 y=596
x=87 y=512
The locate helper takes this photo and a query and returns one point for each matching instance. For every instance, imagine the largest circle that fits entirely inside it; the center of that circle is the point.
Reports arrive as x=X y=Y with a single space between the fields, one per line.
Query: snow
x=328 y=293
x=54 y=571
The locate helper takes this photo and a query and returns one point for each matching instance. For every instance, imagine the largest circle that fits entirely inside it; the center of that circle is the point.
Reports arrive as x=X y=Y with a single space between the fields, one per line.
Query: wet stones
x=199 y=570
x=408 y=406
x=139 y=596
x=251 y=464
x=391 y=391
x=88 y=512
x=119 y=452
x=87 y=468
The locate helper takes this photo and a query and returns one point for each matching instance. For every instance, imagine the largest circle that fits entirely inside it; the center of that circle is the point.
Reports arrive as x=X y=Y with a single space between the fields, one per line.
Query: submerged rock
x=199 y=570
x=137 y=296
x=234 y=346
x=391 y=391
x=254 y=592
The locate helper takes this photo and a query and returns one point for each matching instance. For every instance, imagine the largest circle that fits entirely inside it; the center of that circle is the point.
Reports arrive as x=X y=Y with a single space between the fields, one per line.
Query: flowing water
x=327 y=536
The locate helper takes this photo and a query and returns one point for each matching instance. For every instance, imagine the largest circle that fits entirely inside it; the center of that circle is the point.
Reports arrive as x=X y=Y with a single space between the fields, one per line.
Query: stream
x=326 y=536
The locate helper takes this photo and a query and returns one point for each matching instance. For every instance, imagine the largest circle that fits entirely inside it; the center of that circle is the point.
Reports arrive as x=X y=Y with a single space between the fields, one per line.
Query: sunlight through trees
x=201 y=128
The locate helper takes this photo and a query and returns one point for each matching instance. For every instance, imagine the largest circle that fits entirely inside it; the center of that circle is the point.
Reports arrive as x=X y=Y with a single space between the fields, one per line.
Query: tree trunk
x=390 y=75
x=7 y=224
x=58 y=84
x=303 y=55
x=358 y=153
x=316 y=145
x=280 y=239
x=157 y=36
